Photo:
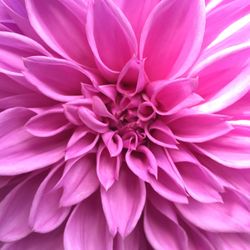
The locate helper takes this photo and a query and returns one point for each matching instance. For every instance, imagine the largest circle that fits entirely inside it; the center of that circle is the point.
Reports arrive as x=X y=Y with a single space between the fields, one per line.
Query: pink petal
x=113 y=142
x=110 y=36
x=142 y=162
x=123 y=210
x=160 y=134
x=79 y=180
x=107 y=167
x=13 y=48
x=199 y=183
x=86 y=228
x=56 y=78
x=171 y=51
x=15 y=209
x=46 y=213
x=48 y=17
x=231 y=11
x=19 y=151
x=162 y=232
x=178 y=93
x=199 y=127
x=230 y=216
x=48 y=123
x=80 y=143
x=52 y=240
x=231 y=150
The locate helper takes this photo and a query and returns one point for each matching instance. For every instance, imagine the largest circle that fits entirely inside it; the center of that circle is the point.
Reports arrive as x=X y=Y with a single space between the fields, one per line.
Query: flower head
x=124 y=124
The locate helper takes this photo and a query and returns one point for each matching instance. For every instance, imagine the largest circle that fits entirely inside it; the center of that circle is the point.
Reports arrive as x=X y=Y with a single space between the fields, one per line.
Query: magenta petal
x=87 y=228
x=111 y=51
x=48 y=17
x=162 y=232
x=13 y=48
x=107 y=167
x=142 y=162
x=80 y=143
x=16 y=205
x=20 y=152
x=123 y=210
x=56 y=78
x=48 y=123
x=233 y=215
x=35 y=241
x=46 y=213
x=79 y=180
x=113 y=142
x=171 y=51
x=199 y=127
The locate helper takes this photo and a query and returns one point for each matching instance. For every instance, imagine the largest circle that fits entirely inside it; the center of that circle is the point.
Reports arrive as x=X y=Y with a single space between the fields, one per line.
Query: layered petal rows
x=124 y=125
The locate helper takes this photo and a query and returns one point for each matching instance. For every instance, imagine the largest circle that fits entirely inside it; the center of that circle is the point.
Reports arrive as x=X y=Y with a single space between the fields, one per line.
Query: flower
x=124 y=125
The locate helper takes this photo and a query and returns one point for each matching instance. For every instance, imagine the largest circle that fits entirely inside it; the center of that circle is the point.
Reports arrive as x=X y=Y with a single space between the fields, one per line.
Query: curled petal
x=113 y=142
x=107 y=167
x=142 y=162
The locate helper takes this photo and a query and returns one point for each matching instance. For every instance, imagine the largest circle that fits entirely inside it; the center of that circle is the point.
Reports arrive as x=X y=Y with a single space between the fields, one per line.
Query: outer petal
x=230 y=216
x=199 y=127
x=123 y=210
x=15 y=209
x=46 y=215
x=162 y=232
x=170 y=50
x=56 y=78
x=60 y=27
x=13 y=48
x=231 y=150
x=52 y=240
x=87 y=228
x=110 y=36
x=79 y=180
x=19 y=151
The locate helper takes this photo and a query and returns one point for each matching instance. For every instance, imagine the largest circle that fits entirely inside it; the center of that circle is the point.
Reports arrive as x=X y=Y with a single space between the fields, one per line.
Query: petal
x=86 y=228
x=225 y=69
x=15 y=209
x=13 y=48
x=79 y=180
x=231 y=150
x=161 y=135
x=178 y=93
x=113 y=142
x=142 y=162
x=199 y=127
x=93 y=122
x=170 y=52
x=48 y=17
x=46 y=213
x=107 y=167
x=230 y=216
x=123 y=210
x=35 y=241
x=21 y=152
x=199 y=184
x=48 y=123
x=110 y=36
x=231 y=11
x=162 y=232
x=80 y=143
x=56 y=78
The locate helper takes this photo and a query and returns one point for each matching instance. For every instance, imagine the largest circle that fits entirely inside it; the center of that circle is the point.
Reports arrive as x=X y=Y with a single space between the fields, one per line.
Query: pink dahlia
x=124 y=125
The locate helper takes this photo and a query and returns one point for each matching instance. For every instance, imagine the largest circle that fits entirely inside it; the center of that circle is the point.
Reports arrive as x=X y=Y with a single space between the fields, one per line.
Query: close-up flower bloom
x=124 y=124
